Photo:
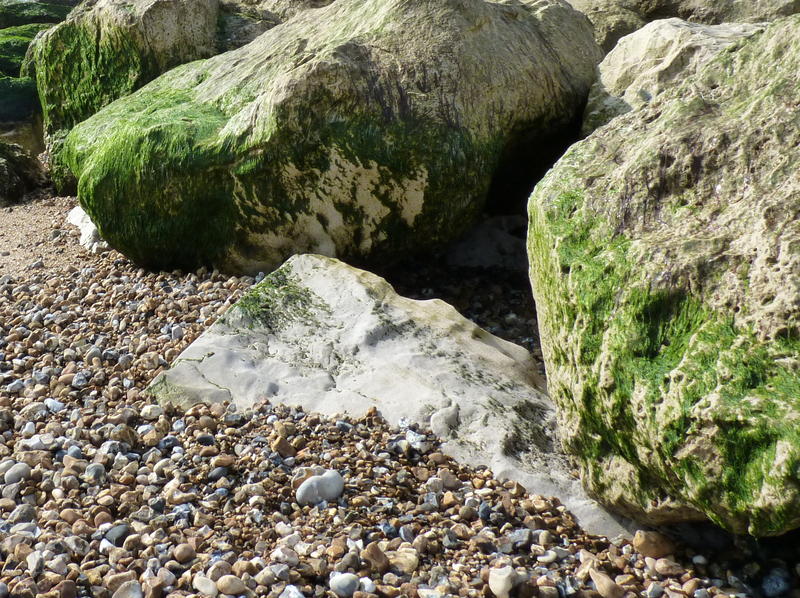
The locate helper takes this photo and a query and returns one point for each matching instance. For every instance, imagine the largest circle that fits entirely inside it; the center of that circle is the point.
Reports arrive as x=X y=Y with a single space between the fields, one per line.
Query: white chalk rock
x=328 y=487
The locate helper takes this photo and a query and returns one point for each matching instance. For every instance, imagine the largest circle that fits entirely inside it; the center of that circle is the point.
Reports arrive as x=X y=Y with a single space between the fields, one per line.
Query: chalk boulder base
x=334 y=339
x=665 y=264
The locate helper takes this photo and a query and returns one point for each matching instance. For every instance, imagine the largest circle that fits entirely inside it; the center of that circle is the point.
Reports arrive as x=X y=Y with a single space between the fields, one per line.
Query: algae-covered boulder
x=14 y=42
x=23 y=12
x=108 y=48
x=614 y=19
x=19 y=173
x=18 y=101
x=665 y=264
x=652 y=60
x=365 y=129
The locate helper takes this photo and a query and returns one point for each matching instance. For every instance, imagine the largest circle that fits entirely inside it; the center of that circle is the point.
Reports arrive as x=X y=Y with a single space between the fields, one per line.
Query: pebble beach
x=106 y=494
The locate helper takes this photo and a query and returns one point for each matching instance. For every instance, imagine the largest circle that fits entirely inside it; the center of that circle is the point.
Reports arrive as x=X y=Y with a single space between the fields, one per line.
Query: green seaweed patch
x=130 y=161
x=626 y=337
x=14 y=42
x=24 y=12
x=79 y=71
x=278 y=301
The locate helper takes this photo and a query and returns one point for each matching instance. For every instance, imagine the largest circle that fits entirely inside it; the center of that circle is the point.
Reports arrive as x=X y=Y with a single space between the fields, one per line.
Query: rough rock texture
x=333 y=339
x=109 y=48
x=14 y=42
x=24 y=12
x=19 y=173
x=365 y=129
x=241 y=21
x=655 y=58
x=665 y=264
x=614 y=19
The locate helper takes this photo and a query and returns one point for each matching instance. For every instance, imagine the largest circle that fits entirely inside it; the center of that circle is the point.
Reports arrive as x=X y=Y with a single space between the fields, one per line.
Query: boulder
x=665 y=264
x=14 y=42
x=24 y=12
x=109 y=48
x=653 y=59
x=19 y=173
x=366 y=129
x=333 y=339
x=614 y=19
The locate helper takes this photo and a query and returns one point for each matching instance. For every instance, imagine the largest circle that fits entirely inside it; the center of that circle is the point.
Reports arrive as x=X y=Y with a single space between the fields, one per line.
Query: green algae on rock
x=109 y=48
x=14 y=42
x=365 y=129
x=24 y=12
x=665 y=264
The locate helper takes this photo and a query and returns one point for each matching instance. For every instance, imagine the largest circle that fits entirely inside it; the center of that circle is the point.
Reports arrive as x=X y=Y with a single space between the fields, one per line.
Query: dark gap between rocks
x=523 y=164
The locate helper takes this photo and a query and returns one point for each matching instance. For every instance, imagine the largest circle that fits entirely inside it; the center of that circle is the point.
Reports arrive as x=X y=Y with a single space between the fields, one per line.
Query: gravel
x=105 y=494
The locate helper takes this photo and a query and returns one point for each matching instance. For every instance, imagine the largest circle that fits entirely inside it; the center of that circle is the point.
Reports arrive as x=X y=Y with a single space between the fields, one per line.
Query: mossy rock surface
x=109 y=48
x=614 y=19
x=665 y=264
x=24 y=12
x=366 y=129
x=14 y=42
x=19 y=173
x=18 y=101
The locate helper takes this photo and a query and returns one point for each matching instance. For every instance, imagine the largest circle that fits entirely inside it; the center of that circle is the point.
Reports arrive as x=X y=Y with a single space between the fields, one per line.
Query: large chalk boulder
x=334 y=339
x=653 y=59
x=109 y=48
x=614 y=19
x=665 y=264
x=366 y=129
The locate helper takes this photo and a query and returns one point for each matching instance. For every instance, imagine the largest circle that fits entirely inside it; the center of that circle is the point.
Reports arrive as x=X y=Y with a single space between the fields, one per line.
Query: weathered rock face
x=653 y=59
x=19 y=173
x=109 y=48
x=365 y=129
x=614 y=19
x=241 y=21
x=333 y=339
x=665 y=264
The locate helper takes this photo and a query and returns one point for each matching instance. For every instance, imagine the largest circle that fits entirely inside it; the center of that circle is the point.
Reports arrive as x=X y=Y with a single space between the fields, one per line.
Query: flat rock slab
x=322 y=335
